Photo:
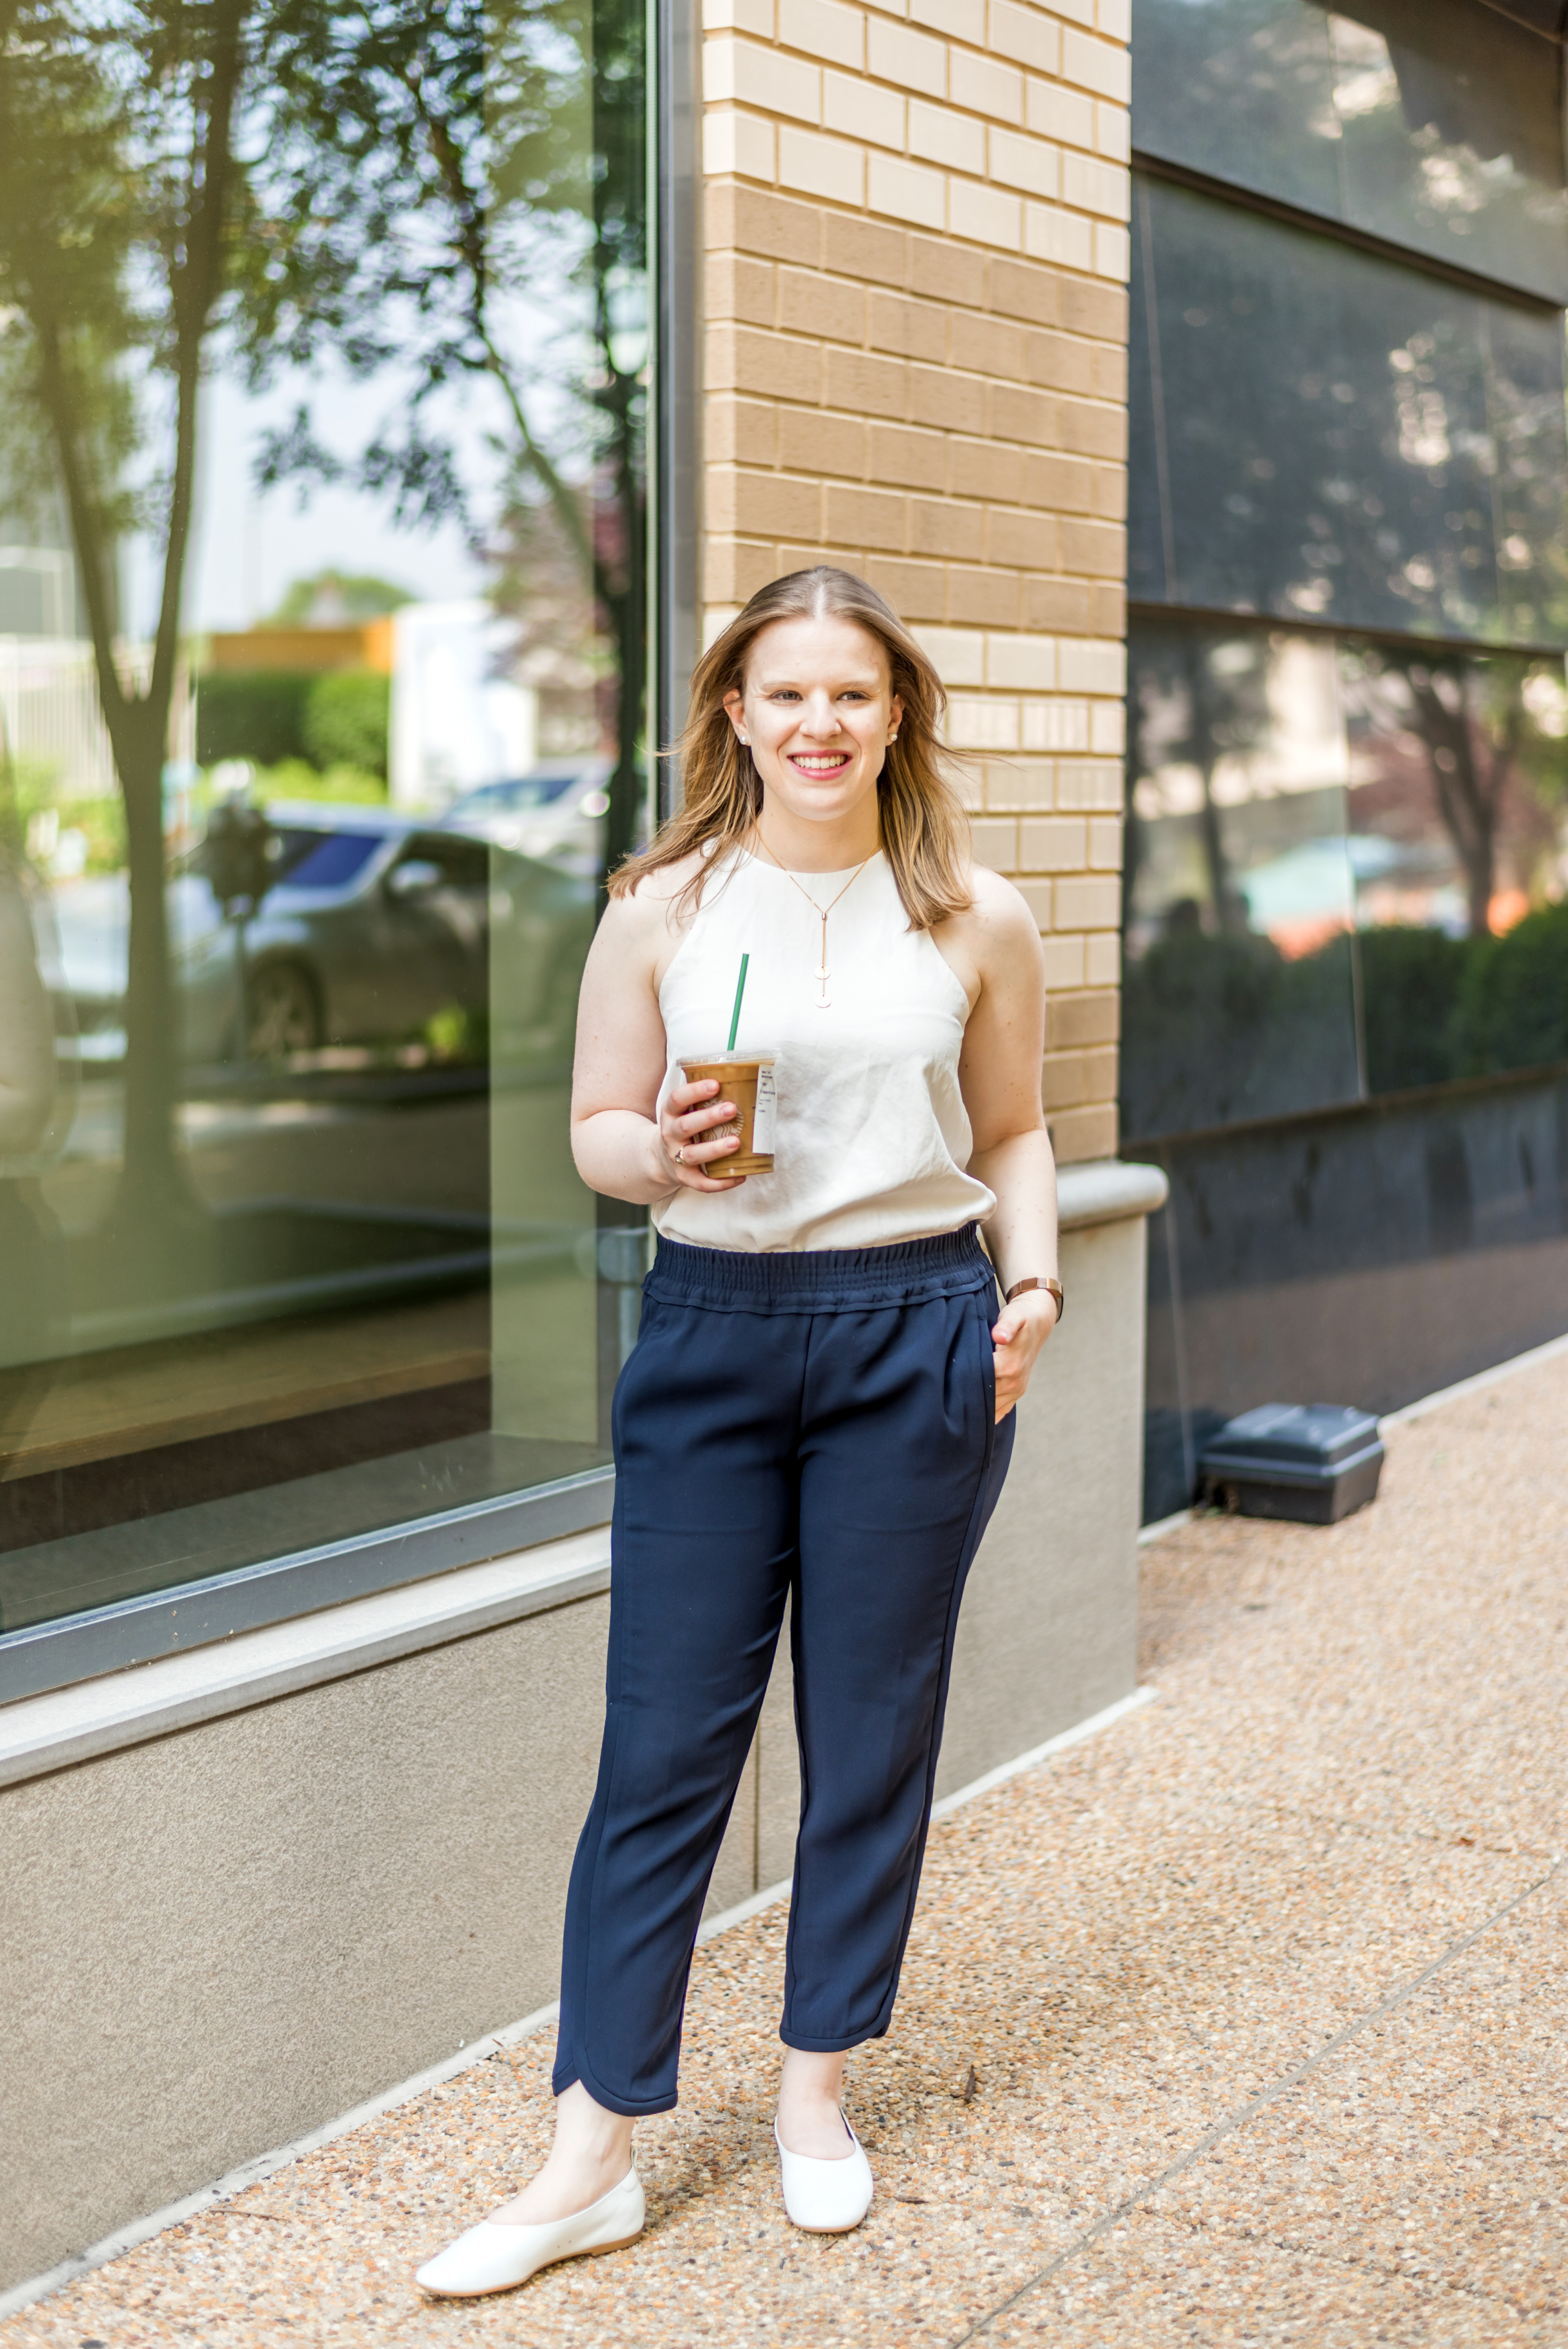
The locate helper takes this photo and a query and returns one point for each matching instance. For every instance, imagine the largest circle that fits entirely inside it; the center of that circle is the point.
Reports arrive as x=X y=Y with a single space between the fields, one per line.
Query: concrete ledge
x=41 y=1734
x=1108 y=1191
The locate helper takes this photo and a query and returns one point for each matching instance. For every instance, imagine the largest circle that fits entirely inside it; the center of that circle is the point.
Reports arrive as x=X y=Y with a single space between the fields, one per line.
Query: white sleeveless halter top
x=872 y=1137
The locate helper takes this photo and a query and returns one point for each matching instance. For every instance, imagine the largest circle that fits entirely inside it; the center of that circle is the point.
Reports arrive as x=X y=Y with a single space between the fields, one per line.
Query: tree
x=120 y=190
x=339 y=599
x=1195 y=699
x=446 y=175
x=1471 y=719
x=292 y=176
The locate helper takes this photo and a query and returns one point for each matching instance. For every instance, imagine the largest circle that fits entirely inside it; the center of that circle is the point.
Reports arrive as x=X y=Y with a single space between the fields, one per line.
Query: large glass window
x=1347 y=871
x=1435 y=124
x=324 y=383
x=1320 y=433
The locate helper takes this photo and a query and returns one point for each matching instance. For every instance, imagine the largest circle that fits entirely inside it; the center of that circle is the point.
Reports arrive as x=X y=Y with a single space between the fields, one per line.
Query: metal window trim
x=93 y=1719
x=676 y=310
x=45 y=1656
x=1225 y=618
x=1146 y=164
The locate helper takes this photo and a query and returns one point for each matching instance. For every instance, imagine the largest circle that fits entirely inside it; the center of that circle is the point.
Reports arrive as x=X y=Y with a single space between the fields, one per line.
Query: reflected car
x=375 y=925
x=554 y=813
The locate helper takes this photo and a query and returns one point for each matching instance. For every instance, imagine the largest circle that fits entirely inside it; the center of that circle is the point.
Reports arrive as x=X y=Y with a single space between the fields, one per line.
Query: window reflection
x=1239 y=995
x=322 y=663
x=1458 y=813
x=1347 y=871
x=1334 y=436
x=1243 y=90
x=1427 y=122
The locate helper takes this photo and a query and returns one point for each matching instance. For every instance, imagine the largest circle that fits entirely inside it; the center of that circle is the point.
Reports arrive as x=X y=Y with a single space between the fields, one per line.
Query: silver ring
x=680 y=1156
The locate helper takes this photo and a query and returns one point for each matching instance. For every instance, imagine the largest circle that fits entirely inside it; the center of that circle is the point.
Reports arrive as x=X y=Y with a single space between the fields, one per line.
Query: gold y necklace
x=824 y=1000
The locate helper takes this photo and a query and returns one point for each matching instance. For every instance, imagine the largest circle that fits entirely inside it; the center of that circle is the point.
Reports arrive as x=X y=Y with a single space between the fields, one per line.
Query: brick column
x=915 y=359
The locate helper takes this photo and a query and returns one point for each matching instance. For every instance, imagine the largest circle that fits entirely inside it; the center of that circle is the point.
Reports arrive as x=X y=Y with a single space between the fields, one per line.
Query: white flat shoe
x=497 y=2258
x=826 y=2198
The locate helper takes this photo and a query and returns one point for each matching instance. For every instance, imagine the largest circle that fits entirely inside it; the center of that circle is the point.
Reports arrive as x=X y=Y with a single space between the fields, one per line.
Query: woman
x=819 y=1402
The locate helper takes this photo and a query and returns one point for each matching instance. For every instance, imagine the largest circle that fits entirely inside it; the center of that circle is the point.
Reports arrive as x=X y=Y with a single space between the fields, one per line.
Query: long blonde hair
x=924 y=830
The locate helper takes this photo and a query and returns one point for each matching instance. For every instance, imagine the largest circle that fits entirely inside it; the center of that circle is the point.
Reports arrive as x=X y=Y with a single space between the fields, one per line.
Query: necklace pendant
x=823 y=974
x=824 y=1003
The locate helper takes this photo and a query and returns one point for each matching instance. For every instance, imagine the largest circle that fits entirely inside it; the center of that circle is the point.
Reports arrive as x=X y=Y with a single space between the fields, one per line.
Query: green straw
x=740 y=992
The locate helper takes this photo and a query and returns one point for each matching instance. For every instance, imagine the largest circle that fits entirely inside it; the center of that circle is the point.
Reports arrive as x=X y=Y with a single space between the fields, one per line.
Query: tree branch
x=195 y=285
x=86 y=510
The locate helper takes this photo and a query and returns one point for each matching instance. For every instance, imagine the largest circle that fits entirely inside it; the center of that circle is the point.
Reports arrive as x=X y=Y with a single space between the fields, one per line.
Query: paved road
x=1245 y=2023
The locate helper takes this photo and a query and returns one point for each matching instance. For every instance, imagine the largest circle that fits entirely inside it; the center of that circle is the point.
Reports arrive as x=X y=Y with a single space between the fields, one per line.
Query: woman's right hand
x=691 y=1155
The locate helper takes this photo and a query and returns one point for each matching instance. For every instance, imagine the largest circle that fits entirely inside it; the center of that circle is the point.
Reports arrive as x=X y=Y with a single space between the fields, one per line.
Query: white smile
x=828 y=763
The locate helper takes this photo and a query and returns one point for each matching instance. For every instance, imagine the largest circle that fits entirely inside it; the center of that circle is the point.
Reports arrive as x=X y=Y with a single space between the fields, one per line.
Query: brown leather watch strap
x=1054 y=1286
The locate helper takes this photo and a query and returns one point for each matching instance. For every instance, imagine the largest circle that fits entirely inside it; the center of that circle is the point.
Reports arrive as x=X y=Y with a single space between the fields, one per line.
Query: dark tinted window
x=1238 y=993
x=336 y=859
x=462 y=863
x=1321 y=433
x=1347 y=870
x=1434 y=123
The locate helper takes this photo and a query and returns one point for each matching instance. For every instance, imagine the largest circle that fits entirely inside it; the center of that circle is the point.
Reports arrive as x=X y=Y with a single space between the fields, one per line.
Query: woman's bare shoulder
x=651 y=906
x=643 y=927
x=997 y=917
x=664 y=883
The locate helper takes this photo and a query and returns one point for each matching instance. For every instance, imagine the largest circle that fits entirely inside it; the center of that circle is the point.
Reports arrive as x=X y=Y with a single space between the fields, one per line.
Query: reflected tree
x=447 y=171
x=281 y=180
x=121 y=190
x=1195 y=701
x=1472 y=723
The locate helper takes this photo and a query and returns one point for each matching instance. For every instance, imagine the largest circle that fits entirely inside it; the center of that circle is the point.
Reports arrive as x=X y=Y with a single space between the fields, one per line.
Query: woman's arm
x=999 y=1072
x=621 y=1146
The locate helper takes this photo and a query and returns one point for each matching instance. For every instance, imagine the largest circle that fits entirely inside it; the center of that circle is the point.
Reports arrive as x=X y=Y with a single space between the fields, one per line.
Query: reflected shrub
x=348 y=715
x=1411 y=983
x=1512 y=1007
x=1217 y=1030
x=270 y=717
x=255 y=714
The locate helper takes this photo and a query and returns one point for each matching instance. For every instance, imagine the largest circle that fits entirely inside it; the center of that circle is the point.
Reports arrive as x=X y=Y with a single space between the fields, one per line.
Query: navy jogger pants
x=819 y=1425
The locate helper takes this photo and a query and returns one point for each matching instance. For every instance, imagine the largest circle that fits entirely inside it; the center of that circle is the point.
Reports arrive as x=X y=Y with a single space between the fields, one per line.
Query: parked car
x=555 y=812
x=374 y=925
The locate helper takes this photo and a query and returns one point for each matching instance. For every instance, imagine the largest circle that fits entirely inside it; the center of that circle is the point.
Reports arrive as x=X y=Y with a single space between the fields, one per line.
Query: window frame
x=39 y=1658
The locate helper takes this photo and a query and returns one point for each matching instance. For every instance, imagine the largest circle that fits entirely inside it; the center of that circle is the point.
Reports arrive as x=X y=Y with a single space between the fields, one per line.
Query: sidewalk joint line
x=1255 y=2105
x=1458 y=2287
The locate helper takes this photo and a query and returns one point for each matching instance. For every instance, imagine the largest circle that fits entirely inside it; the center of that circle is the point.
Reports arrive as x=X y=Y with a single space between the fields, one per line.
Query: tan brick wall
x=915 y=359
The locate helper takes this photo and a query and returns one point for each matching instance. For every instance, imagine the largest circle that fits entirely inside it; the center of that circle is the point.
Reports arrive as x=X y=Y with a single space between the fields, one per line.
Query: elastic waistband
x=819 y=1280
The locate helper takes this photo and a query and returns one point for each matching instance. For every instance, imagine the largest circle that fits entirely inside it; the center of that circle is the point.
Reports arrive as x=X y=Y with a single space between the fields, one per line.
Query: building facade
x=315 y=754
x=1346 y=1006
x=1191 y=376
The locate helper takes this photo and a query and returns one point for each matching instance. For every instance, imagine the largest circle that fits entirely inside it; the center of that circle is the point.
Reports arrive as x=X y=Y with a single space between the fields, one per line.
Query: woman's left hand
x=1018 y=1333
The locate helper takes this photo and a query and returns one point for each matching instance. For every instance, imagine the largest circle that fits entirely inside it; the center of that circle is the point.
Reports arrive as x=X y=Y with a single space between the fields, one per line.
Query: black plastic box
x=1312 y=1462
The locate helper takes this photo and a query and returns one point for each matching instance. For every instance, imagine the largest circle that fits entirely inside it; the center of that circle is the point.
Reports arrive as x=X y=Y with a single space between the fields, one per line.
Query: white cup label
x=767 y=1110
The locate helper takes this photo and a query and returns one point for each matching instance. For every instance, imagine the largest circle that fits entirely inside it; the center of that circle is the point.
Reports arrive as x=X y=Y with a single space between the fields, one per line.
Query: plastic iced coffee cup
x=746 y=1078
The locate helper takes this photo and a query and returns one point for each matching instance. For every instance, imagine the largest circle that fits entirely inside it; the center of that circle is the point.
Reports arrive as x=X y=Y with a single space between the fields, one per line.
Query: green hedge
x=347 y=720
x=1410 y=982
x=256 y=714
x=1217 y=1029
x=337 y=718
x=1513 y=1006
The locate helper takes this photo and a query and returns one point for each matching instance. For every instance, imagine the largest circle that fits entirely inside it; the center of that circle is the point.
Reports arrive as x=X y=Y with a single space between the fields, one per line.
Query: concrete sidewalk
x=1247 y=2022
